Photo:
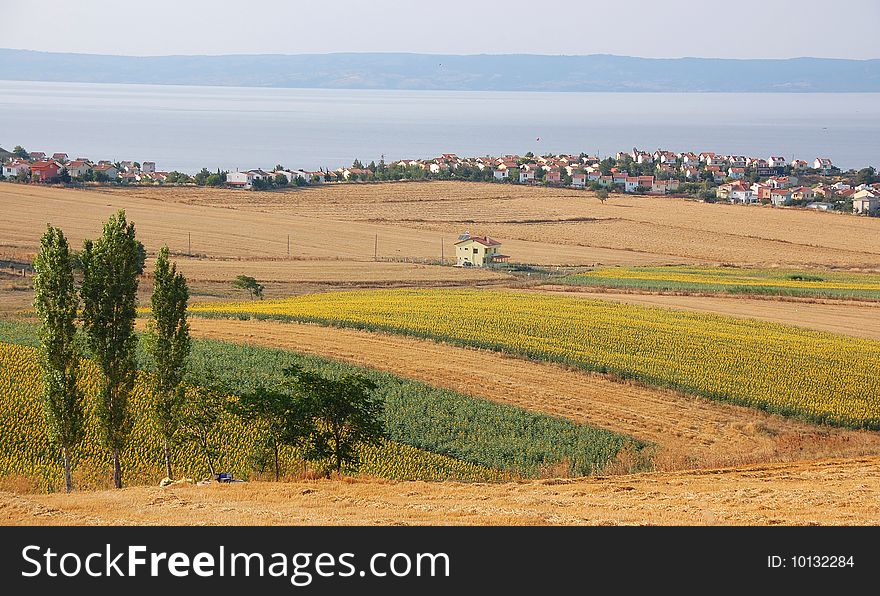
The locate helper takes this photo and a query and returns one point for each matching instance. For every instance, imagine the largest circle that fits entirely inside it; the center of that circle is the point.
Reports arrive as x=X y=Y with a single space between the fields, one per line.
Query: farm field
x=681 y=230
x=533 y=370
x=787 y=370
x=846 y=317
x=228 y=231
x=689 y=432
x=730 y=280
x=432 y=432
x=827 y=492
x=27 y=461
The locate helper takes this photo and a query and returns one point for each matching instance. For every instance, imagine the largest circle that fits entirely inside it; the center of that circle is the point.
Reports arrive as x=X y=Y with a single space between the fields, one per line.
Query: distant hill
x=506 y=72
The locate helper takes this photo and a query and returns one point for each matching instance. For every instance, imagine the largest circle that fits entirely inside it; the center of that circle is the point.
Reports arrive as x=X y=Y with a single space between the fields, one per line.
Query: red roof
x=44 y=165
x=484 y=240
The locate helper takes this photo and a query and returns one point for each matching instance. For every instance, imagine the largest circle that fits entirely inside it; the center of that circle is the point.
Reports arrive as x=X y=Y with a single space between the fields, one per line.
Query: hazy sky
x=652 y=28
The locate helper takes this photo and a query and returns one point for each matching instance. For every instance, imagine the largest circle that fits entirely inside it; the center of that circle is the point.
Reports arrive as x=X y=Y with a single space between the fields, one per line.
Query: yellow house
x=477 y=251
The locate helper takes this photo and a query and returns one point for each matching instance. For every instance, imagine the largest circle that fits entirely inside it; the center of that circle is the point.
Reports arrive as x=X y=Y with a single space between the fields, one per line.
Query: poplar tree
x=111 y=266
x=56 y=302
x=169 y=347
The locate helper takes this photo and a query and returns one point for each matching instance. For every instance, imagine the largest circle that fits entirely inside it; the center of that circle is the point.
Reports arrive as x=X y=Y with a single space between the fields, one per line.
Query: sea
x=236 y=128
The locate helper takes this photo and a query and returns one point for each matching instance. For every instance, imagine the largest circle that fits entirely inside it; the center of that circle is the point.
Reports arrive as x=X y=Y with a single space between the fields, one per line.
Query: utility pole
x=376 y=249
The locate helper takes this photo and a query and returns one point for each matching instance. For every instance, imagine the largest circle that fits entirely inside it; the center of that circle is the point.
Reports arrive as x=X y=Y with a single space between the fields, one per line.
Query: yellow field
x=735 y=280
x=688 y=431
x=25 y=452
x=784 y=369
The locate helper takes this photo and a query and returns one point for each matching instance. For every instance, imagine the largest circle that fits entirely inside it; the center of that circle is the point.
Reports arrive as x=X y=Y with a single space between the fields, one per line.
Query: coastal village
x=709 y=176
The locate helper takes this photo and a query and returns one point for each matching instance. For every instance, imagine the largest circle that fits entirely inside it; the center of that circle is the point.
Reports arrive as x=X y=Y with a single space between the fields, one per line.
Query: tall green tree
x=168 y=346
x=111 y=266
x=336 y=415
x=56 y=302
x=278 y=412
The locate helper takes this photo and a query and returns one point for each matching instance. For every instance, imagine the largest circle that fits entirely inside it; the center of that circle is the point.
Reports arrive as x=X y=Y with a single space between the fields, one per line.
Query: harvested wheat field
x=678 y=228
x=847 y=317
x=690 y=432
x=832 y=492
x=232 y=231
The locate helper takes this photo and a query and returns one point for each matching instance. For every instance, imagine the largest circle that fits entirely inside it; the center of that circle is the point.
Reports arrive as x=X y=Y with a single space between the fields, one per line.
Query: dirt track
x=691 y=432
x=834 y=492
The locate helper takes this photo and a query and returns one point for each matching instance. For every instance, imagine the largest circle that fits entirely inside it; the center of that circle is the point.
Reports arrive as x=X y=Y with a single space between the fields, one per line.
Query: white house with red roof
x=477 y=251
x=501 y=173
x=823 y=164
x=736 y=173
x=16 y=168
x=78 y=168
x=776 y=162
x=240 y=179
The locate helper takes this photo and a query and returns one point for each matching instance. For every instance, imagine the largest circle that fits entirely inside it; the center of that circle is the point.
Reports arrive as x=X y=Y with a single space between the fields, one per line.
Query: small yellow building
x=477 y=251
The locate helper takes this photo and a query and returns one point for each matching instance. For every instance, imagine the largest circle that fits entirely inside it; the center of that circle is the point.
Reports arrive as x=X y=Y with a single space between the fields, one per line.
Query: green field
x=434 y=434
x=815 y=376
x=733 y=280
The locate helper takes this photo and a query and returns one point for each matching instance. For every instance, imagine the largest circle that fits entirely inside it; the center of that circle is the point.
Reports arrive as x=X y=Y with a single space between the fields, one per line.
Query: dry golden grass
x=690 y=432
x=229 y=230
x=847 y=317
x=832 y=492
x=644 y=227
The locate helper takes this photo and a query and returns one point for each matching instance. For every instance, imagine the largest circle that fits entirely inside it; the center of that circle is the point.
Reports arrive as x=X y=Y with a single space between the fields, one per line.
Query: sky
x=647 y=28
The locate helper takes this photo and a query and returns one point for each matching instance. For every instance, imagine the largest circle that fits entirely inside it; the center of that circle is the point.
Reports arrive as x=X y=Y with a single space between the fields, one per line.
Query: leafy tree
x=214 y=180
x=356 y=164
x=602 y=195
x=866 y=176
x=280 y=180
x=336 y=415
x=168 y=346
x=200 y=415
x=20 y=153
x=175 y=177
x=64 y=176
x=111 y=266
x=278 y=411
x=56 y=302
x=201 y=177
x=245 y=282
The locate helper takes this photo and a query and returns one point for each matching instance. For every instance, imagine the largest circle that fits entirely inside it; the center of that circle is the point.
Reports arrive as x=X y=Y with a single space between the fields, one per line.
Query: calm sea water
x=187 y=128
